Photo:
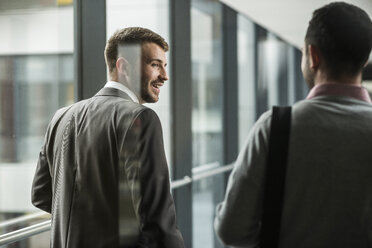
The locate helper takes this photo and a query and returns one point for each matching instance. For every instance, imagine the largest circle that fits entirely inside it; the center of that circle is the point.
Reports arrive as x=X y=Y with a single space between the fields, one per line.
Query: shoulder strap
x=275 y=176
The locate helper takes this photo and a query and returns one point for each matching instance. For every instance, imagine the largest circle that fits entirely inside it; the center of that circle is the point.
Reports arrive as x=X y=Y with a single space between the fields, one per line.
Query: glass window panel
x=272 y=72
x=207 y=193
x=270 y=53
x=246 y=76
x=28 y=4
x=206 y=47
x=36 y=78
x=207 y=114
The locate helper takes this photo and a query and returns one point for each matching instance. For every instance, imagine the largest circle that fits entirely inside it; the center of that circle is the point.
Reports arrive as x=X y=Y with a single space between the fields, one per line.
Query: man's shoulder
x=60 y=113
x=265 y=117
x=128 y=111
x=108 y=105
x=147 y=117
x=118 y=103
x=264 y=121
x=132 y=109
x=261 y=129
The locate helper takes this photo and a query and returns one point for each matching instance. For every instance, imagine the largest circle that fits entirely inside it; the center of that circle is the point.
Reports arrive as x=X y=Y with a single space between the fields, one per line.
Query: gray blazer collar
x=113 y=92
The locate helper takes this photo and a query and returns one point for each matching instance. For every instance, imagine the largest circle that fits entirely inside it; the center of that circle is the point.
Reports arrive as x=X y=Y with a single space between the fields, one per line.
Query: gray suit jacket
x=103 y=175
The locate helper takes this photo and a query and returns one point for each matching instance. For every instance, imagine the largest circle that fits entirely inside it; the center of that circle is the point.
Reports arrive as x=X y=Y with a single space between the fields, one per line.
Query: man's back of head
x=343 y=34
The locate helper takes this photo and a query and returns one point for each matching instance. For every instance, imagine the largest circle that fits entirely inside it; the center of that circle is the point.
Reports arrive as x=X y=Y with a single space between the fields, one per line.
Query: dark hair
x=343 y=34
x=131 y=35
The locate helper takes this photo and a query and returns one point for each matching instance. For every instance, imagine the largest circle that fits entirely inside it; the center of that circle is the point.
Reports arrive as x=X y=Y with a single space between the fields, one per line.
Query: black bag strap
x=275 y=177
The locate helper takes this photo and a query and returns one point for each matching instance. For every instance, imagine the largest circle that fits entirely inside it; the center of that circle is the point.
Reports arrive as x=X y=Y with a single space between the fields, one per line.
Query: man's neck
x=323 y=78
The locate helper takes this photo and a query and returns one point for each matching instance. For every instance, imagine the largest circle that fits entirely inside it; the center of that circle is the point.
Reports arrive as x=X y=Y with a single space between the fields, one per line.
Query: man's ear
x=122 y=66
x=314 y=57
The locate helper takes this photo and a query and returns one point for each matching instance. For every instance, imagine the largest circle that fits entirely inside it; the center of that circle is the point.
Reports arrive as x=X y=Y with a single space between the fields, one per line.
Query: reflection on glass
x=207 y=98
x=154 y=16
x=36 y=78
x=151 y=14
x=246 y=75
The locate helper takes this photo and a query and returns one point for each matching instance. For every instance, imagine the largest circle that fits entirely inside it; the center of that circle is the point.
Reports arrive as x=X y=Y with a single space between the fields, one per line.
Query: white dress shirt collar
x=119 y=86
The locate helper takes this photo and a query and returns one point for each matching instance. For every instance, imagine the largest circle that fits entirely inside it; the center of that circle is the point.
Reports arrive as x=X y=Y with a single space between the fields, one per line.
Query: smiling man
x=102 y=172
x=153 y=72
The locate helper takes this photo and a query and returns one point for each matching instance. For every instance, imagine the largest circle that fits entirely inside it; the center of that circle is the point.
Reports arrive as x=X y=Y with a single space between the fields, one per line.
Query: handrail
x=21 y=219
x=205 y=167
x=45 y=226
x=24 y=232
x=213 y=172
x=181 y=182
x=201 y=172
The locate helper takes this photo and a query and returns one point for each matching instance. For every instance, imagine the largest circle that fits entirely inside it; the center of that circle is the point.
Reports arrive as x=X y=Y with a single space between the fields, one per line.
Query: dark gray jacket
x=103 y=175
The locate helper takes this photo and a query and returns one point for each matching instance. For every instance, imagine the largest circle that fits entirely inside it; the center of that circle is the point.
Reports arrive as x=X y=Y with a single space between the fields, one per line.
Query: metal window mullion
x=230 y=97
x=261 y=90
x=230 y=84
x=89 y=44
x=300 y=84
x=283 y=76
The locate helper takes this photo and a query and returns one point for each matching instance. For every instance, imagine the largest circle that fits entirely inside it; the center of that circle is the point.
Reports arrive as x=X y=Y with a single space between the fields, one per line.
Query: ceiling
x=286 y=18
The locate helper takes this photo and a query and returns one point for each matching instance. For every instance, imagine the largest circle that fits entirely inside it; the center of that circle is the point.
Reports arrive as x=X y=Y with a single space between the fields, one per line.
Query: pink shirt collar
x=352 y=91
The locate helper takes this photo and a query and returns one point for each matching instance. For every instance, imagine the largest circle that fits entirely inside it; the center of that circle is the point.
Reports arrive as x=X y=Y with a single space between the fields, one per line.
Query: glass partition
x=275 y=80
x=272 y=73
x=207 y=114
x=246 y=76
x=154 y=15
x=36 y=78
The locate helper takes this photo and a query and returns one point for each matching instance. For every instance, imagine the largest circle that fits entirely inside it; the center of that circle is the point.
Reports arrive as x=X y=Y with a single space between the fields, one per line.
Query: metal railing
x=24 y=233
x=22 y=219
x=198 y=173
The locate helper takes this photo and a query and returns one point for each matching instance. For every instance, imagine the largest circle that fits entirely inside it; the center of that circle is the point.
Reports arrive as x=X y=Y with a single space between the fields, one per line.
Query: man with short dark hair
x=102 y=172
x=328 y=187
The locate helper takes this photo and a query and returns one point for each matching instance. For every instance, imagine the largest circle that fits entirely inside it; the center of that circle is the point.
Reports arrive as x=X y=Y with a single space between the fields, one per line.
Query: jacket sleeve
x=41 y=193
x=154 y=206
x=238 y=217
